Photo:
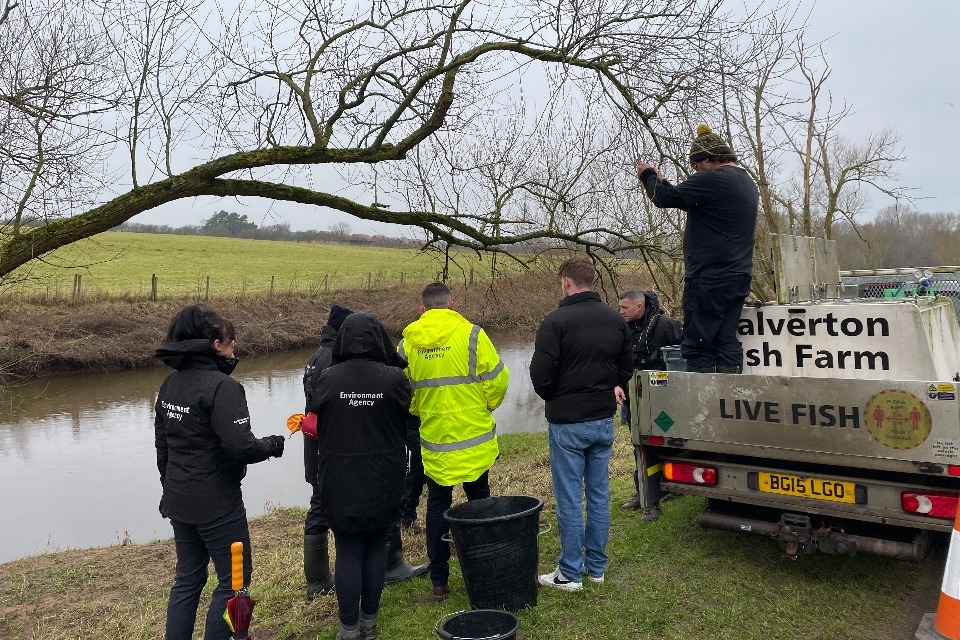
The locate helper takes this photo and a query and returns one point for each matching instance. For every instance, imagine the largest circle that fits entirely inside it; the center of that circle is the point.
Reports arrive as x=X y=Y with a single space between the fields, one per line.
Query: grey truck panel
x=858 y=423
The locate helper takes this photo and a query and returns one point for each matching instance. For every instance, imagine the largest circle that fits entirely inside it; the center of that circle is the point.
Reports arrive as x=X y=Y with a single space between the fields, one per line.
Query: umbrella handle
x=236 y=565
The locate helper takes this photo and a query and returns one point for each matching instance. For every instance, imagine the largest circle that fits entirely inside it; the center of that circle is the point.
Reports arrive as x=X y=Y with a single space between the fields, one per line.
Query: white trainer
x=556 y=580
x=598 y=579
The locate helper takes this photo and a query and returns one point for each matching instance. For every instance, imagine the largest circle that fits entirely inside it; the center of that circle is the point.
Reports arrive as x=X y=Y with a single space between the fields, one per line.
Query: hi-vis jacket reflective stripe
x=457 y=379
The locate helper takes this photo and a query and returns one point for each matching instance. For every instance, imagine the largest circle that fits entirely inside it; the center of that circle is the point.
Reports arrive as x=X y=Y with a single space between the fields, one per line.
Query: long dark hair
x=195 y=322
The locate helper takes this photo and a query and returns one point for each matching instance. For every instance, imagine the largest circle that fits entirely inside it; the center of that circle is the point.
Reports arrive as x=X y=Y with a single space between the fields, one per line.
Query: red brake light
x=929 y=503
x=953 y=470
x=656 y=441
x=688 y=473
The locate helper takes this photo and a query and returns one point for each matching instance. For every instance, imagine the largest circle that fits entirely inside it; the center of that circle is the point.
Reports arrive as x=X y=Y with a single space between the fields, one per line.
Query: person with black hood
x=362 y=406
x=204 y=444
x=316 y=558
x=651 y=329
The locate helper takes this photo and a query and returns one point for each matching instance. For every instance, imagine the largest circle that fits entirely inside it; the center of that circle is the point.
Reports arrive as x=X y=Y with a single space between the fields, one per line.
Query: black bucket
x=496 y=543
x=483 y=624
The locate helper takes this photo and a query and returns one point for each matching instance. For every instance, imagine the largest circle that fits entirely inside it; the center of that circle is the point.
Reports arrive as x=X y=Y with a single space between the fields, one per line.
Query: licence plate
x=807 y=487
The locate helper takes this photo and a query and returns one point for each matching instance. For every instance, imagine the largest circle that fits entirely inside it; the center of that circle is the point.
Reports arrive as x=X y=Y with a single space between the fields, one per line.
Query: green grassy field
x=116 y=263
x=667 y=580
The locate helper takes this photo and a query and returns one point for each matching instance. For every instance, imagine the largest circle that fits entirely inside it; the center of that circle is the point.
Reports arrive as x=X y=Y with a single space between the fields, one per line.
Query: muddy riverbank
x=116 y=334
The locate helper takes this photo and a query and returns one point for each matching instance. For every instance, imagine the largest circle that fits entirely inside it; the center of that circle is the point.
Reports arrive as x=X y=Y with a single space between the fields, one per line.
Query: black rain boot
x=398 y=570
x=316 y=565
x=729 y=368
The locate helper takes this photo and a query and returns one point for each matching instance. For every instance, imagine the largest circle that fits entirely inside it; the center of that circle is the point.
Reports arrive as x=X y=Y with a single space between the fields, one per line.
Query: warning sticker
x=897 y=419
x=664 y=421
x=659 y=379
x=946 y=448
x=942 y=391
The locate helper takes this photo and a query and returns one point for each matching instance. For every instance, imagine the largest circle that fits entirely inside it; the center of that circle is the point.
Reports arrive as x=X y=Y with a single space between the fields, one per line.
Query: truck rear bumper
x=868 y=499
x=796 y=535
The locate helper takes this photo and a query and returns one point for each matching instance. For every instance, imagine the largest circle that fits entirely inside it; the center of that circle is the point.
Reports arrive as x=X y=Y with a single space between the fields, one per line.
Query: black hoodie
x=202 y=434
x=651 y=331
x=362 y=406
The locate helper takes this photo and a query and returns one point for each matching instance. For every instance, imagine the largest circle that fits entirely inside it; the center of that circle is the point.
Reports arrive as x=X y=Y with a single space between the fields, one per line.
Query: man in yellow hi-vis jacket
x=458 y=380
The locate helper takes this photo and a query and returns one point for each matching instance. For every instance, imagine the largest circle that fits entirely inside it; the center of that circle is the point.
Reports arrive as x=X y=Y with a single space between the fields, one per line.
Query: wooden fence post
x=153 y=287
x=271 y=285
x=207 y=295
x=326 y=283
x=401 y=279
x=76 y=286
x=369 y=280
x=471 y=276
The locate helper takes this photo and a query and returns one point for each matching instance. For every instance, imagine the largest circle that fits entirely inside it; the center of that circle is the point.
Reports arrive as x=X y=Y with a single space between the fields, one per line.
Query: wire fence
x=899 y=283
x=77 y=288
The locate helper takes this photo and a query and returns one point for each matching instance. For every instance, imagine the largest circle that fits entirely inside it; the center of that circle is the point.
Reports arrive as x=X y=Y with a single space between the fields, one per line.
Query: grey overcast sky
x=894 y=62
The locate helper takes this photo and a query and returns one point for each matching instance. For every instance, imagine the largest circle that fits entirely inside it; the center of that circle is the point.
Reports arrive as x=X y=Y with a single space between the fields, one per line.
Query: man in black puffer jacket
x=581 y=356
x=362 y=407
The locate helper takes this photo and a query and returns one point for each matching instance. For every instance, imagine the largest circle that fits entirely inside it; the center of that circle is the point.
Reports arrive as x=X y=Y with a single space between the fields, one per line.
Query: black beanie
x=337 y=315
x=707 y=144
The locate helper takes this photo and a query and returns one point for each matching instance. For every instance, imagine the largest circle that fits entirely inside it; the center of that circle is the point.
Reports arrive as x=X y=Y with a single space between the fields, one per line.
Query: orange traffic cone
x=945 y=623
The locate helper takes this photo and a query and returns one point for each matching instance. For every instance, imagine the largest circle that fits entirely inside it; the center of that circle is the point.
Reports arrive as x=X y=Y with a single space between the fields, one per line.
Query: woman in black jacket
x=204 y=442
x=362 y=408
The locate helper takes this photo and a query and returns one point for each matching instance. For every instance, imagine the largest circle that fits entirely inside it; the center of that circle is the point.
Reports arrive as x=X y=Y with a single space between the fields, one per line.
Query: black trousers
x=315 y=523
x=711 y=313
x=359 y=573
x=197 y=545
x=415 y=482
x=439 y=499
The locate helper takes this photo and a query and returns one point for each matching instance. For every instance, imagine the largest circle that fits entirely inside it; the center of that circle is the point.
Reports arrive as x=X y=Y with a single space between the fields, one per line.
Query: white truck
x=842 y=434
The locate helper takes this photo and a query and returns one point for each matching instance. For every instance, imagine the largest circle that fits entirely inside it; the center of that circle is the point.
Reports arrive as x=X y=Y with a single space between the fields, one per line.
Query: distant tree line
x=230 y=224
x=899 y=236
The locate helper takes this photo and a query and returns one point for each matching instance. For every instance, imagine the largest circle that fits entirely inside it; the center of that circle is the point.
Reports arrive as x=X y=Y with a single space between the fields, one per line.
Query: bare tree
x=340 y=232
x=211 y=104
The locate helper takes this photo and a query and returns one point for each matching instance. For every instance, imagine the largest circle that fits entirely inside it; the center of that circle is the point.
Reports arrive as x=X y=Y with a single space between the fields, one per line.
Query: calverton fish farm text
x=810 y=355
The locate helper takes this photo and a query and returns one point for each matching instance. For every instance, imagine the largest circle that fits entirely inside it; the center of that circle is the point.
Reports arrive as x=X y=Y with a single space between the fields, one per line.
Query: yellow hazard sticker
x=942 y=391
x=897 y=419
x=659 y=378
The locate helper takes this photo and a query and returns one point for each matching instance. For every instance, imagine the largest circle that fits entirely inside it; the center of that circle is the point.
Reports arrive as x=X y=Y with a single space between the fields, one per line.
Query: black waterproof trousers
x=711 y=313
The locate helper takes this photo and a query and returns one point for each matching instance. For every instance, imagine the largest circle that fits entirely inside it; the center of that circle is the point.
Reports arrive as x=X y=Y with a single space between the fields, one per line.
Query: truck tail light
x=689 y=473
x=656 y=441
x=929 y=503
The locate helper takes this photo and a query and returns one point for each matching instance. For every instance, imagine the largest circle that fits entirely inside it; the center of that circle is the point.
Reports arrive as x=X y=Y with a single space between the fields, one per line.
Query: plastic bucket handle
x=448 y=537
x=446 y=636
x=542 y=530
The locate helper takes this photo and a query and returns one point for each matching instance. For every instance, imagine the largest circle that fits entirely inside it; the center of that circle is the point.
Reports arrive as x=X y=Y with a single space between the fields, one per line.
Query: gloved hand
x=276 y=442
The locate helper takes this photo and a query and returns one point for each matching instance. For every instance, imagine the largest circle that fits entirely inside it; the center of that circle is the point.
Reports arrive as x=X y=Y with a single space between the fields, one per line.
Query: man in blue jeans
x=582 y=353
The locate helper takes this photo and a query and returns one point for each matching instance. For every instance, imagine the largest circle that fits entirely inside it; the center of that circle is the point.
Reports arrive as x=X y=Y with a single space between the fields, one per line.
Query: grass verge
x=668 y=580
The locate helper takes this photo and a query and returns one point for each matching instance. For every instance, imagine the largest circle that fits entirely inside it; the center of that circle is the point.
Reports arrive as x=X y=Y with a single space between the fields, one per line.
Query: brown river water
x=78 y=466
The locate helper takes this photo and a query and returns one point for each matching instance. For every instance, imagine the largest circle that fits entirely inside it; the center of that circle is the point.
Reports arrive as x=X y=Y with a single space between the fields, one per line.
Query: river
x=78 y=466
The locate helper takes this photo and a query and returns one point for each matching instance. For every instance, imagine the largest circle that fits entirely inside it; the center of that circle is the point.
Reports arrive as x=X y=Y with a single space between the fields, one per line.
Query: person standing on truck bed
x=650 y=329
x=721 y=201
x=582 y=352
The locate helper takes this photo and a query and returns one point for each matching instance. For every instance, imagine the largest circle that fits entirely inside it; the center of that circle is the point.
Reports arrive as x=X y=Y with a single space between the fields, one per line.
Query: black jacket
x=202 y=435
x=653 y=330
x=320 y=360
x=582 y=352
x=722 y=206
x=362 y=407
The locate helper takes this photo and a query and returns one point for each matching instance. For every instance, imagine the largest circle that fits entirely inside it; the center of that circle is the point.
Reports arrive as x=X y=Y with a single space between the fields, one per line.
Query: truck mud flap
x=797 y=536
